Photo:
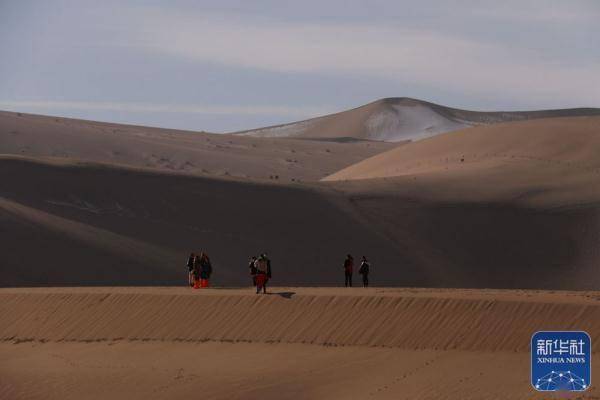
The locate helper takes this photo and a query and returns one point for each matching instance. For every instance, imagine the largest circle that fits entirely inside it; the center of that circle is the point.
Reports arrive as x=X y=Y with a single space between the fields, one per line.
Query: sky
x=230 y=65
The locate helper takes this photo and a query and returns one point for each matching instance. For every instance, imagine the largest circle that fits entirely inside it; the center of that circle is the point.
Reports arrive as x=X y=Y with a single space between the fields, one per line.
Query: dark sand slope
x=401 y=118
x=98 y=225
x=182 y=152
x=145 y=343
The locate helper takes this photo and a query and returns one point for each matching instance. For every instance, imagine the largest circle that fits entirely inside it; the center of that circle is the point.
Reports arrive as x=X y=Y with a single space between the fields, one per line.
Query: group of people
x=200 y=270
x=260 y=271
x=349 y=269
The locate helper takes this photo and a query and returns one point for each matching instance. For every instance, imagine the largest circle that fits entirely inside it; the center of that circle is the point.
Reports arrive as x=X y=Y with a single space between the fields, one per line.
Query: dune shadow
x=285 y=295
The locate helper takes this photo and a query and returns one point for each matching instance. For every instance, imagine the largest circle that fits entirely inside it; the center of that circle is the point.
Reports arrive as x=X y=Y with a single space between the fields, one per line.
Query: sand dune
x=222 y=344
x=520 y=197
x=182 y=152
x=96 y=225
x=567 y=144
x=223 y=370
x=401 y=118
x=505 y=206
x=402 y=318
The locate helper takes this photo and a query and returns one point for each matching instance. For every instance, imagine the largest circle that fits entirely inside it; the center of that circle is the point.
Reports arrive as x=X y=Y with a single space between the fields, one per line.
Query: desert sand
x=99 y=219
x=569 y=145
x=63 y=343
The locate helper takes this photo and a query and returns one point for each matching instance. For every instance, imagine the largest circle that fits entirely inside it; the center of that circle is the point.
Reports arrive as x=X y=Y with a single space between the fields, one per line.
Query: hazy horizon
x=228 y=65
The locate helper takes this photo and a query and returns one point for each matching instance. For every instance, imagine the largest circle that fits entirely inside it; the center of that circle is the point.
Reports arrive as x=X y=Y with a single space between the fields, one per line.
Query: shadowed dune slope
x=522 y=197
x=196 y=153
x=402 y=118
x=441 y=320
x=97 y=225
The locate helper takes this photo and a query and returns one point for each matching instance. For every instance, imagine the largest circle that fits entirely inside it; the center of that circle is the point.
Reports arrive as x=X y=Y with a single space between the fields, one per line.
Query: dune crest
x=402 y=318
x=401 y=118
x=178 y=152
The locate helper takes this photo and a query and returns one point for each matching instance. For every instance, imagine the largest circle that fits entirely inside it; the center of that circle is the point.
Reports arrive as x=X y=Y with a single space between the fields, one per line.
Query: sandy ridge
x=402 y=320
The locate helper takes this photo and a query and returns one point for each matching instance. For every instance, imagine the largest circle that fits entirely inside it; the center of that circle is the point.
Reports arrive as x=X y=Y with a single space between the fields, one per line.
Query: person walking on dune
x=268 y=271
x=261 y=274
x=196 y=271
x=252 y=268
x=205 y=270
x=190 y=265
x=348 y=267
x=364 y=271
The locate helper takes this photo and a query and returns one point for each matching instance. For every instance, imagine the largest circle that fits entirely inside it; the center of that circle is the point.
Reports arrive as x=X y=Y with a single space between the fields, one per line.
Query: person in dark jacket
x=269 y=275
x=190 y=265
x=205 y=270
x=364 y=271
x=252 y=268
x=196 y=270
x=348 y=267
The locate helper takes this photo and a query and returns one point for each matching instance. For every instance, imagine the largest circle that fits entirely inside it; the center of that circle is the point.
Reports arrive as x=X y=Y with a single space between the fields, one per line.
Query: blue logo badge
x=561 y=361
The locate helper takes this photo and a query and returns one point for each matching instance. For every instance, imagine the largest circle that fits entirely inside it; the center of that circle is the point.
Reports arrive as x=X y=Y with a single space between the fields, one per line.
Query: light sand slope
x=160 y=370
x=154 y=343
x=402 y=318
x=183 y=152
x=568 y=144
x=399 y=119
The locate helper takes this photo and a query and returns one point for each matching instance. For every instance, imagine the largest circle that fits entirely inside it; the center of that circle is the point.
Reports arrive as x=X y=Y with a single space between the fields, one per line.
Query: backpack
x=364 y=268
x=261 y=266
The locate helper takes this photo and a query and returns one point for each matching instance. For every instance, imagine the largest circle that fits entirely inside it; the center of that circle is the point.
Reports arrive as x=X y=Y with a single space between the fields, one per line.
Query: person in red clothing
x=262 y=271
x=348 y=267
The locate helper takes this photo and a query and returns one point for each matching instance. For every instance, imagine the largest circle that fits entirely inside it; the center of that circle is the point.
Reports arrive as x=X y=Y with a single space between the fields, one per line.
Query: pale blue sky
x=229 y=65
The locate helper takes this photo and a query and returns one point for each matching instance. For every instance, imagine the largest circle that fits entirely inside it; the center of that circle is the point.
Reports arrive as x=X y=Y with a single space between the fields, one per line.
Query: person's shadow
x=285 y=295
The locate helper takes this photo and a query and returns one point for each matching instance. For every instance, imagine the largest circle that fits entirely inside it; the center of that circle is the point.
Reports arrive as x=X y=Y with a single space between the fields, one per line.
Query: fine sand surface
x=307 y=343
x=568 y=145
x=400 y=118
x=181 y=152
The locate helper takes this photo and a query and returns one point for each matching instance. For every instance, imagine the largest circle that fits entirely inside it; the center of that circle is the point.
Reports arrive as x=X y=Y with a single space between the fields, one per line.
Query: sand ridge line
x=373 y=321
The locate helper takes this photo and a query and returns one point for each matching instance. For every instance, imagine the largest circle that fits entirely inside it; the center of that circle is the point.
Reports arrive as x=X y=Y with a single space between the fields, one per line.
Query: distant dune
x=550 y=156
x=181 y=152
x=400 y=118
x=513 y=204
